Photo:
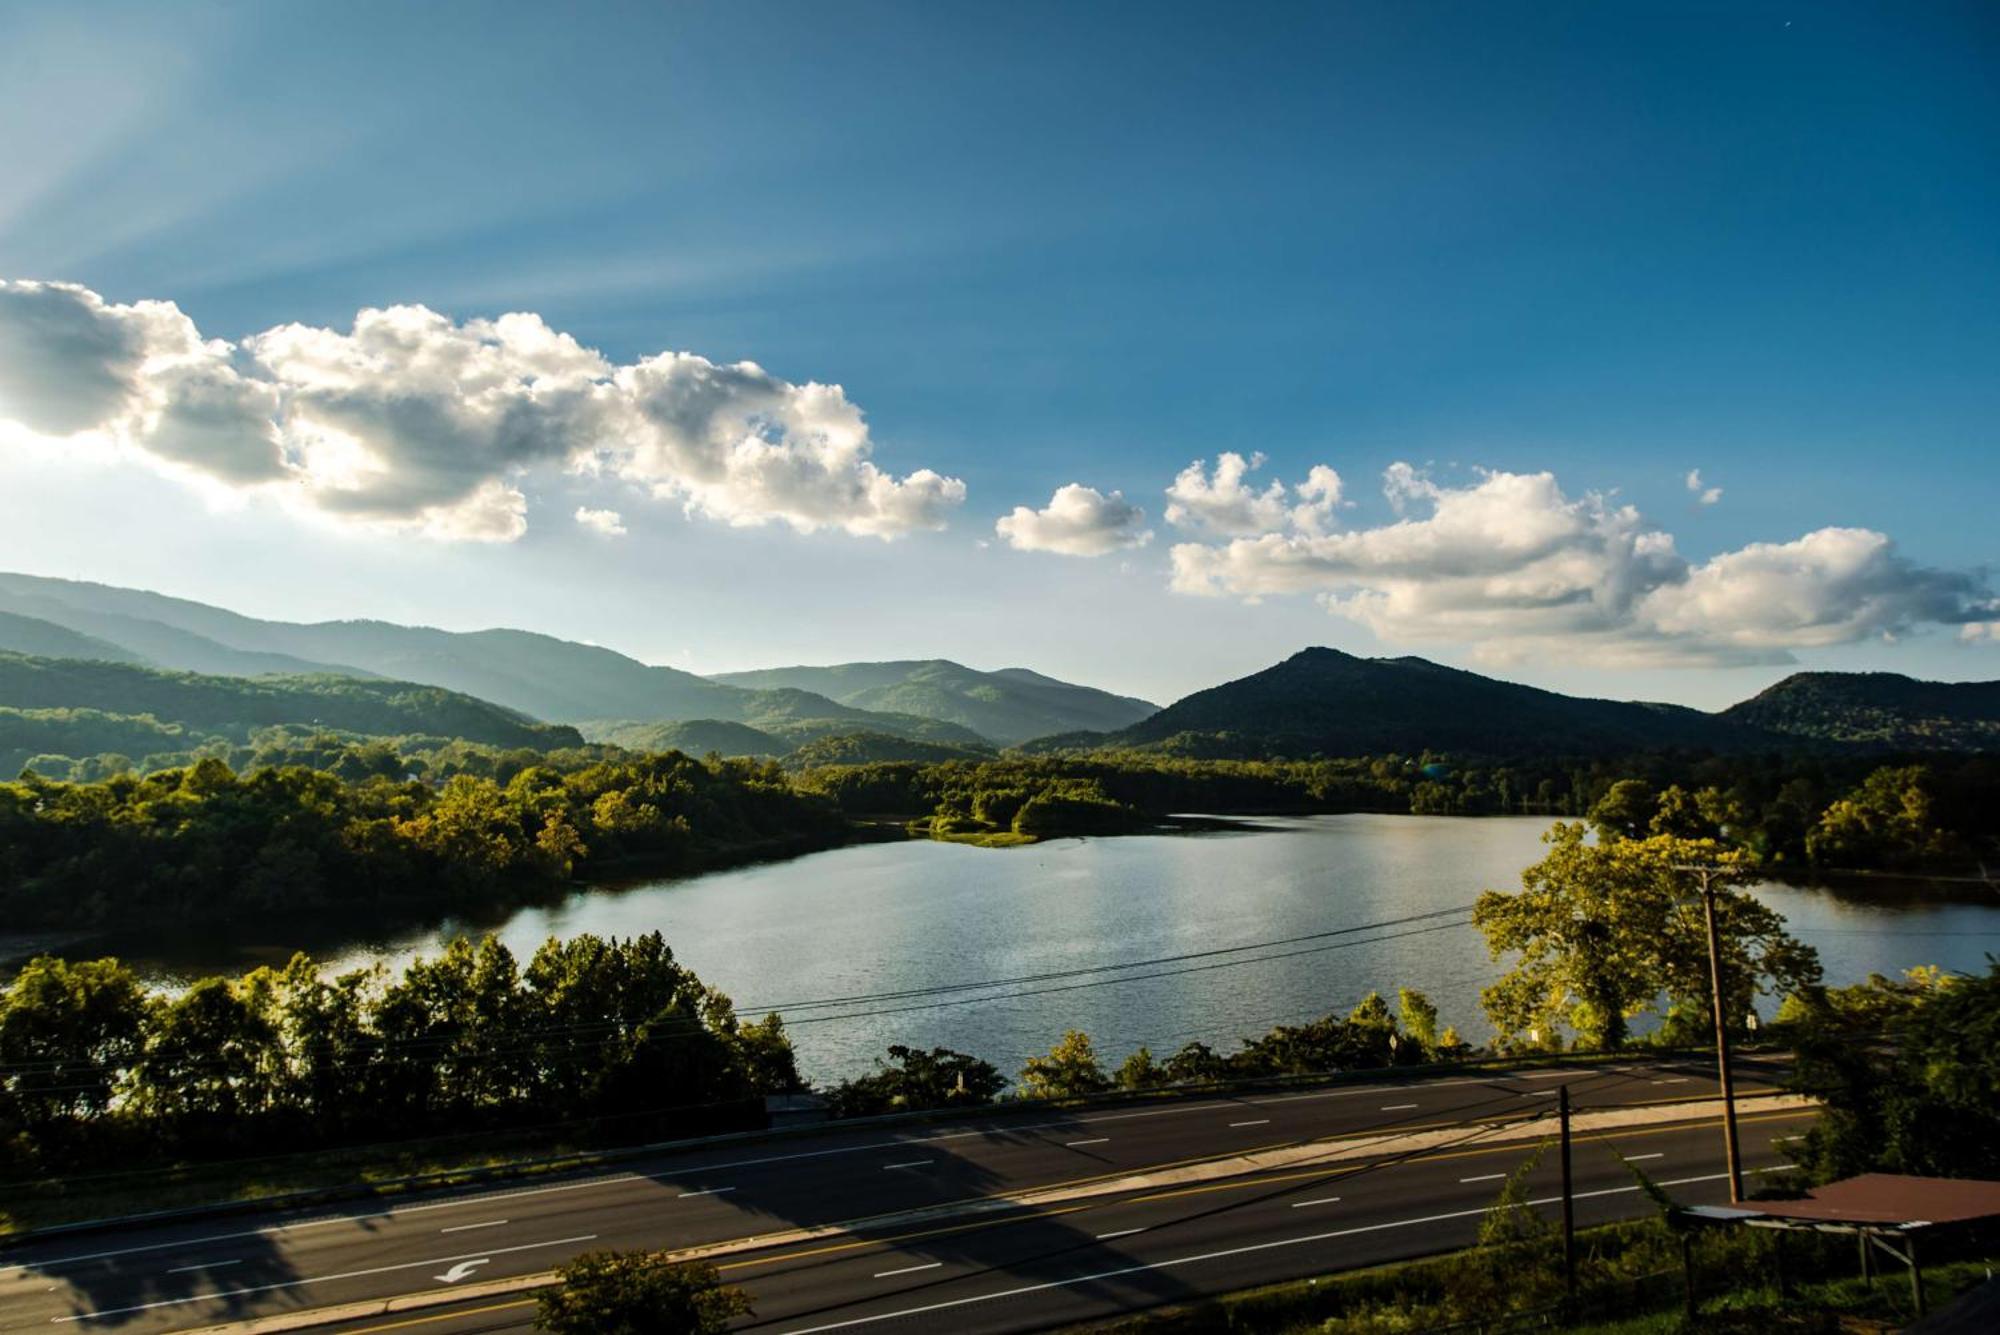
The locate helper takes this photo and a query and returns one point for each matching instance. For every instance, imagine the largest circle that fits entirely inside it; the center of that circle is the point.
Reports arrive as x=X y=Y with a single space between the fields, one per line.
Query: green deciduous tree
x=68 y=1032
x=1602 y=931
x=638 y=1293
x=1140 y=1071
x=912 y=1078
x=1070 y=1070
x=1889 y=820
x=1418 y=1019
x=1908 y=1075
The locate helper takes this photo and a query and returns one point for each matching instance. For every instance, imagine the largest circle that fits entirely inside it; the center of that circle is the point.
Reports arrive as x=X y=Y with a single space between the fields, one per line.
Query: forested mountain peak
x=1322 y=701
x=1884 y=709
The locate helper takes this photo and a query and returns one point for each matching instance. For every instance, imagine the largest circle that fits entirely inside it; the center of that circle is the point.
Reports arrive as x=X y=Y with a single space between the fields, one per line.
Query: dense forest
x=204 y=842
x=610 y=1038
x=303 y=821
x=1878 y=709
x=94 y=1068
x=1789 y=811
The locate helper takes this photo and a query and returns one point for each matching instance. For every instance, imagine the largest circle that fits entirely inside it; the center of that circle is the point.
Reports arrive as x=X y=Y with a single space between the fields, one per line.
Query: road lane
x=172 y=1277
x=1031 y=1273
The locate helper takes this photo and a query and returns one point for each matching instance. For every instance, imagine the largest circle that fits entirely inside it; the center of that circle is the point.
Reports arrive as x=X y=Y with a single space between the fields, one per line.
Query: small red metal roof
x=1891 y=1199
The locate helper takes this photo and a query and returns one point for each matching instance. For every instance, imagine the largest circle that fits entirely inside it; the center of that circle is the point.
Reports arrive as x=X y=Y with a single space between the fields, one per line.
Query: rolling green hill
x=539 y=675
x=1324 y=702
x=234 y=707
x=1008 y=706
x=1878 y=709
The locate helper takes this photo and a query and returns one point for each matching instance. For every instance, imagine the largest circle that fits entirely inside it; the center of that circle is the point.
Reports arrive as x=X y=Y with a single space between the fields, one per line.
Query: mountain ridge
x=1887 y=710
x=1323 y=701
x=542 y=676
x=1009 y=706
x=564 y=681
x=1317 y=702
x=38 y=695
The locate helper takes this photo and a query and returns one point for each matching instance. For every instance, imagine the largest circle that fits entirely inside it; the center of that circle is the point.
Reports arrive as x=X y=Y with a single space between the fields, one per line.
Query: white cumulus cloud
x=1078 y=521
x=1223 y=503
x=411 y=419
x=1703 y=494
x=1514 y=567
x=609 y=523
x=1832 y=586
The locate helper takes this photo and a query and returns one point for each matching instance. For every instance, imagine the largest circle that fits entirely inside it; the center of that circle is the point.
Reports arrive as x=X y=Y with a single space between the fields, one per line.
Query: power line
x=1106 y=982
x=695 y=1027
x=1197 y=1090
x=1105 y=968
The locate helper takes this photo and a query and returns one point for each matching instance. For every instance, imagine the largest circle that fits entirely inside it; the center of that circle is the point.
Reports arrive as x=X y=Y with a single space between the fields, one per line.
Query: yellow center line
x=443 y=1316
x=1235 y=1184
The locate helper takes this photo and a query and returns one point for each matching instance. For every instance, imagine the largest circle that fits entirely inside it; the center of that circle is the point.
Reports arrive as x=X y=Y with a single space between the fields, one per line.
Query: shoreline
x=1880 y=888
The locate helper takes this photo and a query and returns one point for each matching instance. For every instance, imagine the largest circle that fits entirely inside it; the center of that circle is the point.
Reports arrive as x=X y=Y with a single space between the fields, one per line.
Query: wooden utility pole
x=1569 y=1206
x=1705 y=876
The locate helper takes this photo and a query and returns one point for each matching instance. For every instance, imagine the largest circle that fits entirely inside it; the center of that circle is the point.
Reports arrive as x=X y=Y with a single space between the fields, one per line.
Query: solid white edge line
x=1221 y=1255
x=614 y=1179
x=314 y=1279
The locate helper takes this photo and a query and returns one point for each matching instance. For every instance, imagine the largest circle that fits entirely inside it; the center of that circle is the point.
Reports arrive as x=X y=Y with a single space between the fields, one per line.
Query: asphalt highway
x=1023 y=1269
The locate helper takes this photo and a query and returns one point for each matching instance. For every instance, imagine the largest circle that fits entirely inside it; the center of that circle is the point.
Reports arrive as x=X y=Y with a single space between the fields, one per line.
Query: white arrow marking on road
x=462 y=1270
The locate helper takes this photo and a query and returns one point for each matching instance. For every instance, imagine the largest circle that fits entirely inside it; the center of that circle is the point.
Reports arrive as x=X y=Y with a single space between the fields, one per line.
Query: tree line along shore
x=323 y=825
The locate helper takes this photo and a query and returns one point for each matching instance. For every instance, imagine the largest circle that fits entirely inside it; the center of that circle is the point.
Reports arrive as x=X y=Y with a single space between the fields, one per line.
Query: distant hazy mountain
x=539 y=675
x=778 y=722
x=1880 y=709
x=1008 y=706
x=1324 y=702
x=233 y=707
x=31 y=635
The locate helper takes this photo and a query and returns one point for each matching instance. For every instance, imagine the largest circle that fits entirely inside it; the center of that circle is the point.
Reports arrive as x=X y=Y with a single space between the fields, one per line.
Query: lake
x=896 y=917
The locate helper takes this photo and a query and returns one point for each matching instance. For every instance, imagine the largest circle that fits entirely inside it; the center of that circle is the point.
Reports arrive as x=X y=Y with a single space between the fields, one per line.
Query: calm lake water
x=882 y=918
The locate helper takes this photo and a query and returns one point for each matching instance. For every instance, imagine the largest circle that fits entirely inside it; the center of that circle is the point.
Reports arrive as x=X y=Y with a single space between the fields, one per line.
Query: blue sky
x=1059 y=245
